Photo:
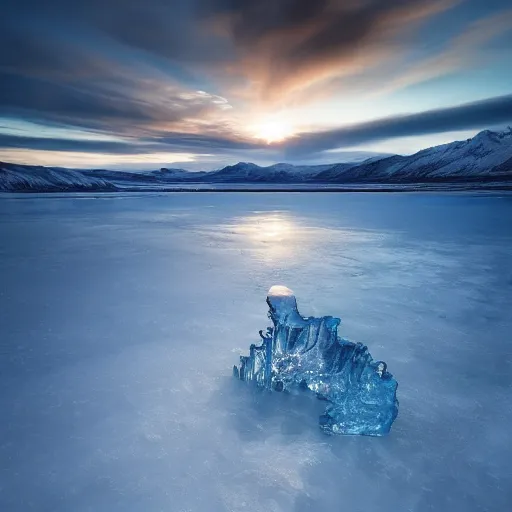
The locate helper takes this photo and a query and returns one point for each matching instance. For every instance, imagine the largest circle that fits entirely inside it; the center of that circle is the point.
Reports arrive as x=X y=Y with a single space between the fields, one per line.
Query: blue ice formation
x=307 y=354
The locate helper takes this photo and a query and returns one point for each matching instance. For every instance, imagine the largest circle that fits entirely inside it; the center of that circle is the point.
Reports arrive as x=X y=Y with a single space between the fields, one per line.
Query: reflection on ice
x=268 y=227
x=281 y=236
x=286 y=239
x=273 y=235
x=300 y=354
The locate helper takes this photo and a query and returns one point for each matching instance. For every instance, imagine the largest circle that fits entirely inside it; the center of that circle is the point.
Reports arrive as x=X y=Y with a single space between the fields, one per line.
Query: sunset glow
x=272 y=81
x=273 y=130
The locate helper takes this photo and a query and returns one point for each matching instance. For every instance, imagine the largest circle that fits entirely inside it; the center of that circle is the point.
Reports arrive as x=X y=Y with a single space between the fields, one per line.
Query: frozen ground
x=122 y=316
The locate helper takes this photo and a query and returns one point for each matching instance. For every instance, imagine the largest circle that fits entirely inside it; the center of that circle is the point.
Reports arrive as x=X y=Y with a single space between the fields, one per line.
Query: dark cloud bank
x=488 y=112
x=472 y=115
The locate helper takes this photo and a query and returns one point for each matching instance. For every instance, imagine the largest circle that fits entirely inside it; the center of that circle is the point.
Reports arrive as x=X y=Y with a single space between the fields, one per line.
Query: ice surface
x=121 y=317
x=300 y=354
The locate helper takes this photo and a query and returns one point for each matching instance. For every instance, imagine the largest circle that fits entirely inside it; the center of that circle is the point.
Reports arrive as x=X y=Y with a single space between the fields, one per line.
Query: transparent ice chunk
x=299 y=354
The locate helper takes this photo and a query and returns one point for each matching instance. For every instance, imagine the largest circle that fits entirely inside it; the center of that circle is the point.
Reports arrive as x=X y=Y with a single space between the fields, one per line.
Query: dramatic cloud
x=291 y=44
x=55 y=144
x=464 y=117
x=462 y=52
x=197 y=76
x=176 y=142
x=78 y=86
x=469 y=116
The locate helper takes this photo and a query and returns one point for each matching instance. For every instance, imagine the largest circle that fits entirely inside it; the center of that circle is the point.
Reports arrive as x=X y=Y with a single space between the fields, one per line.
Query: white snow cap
x=280 y=291
x=283 y=305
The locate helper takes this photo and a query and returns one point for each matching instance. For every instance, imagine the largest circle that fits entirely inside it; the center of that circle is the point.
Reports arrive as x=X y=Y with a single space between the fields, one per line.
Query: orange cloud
x=280 y=56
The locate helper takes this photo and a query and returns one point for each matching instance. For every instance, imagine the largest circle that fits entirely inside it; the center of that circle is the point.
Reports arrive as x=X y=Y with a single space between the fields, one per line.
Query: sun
x=272 y=130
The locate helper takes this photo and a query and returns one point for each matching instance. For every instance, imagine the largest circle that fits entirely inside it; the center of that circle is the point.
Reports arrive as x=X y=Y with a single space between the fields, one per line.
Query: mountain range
x=485 y=158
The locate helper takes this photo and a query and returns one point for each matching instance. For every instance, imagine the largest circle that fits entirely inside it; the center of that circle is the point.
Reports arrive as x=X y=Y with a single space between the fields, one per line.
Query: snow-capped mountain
x=244 y=172
x=485 y=157
x=165 y=174
x=37 y=178
x=15 y=177
x=122 y=179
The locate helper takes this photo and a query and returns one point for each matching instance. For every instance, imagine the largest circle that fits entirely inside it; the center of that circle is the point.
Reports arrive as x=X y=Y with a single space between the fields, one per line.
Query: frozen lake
x=121 y=317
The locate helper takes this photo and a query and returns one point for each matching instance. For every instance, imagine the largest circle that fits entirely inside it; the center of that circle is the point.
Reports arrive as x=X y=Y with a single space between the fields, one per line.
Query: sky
x=200 y=84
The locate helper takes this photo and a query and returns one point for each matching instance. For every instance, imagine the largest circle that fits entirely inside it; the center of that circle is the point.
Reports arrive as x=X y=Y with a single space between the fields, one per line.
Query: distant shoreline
x=468 y=187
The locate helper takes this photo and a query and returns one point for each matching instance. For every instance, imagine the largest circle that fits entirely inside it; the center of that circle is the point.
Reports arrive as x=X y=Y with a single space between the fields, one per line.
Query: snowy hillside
x=15 y=177
x=35 y=178
x=277 y=173
x=486 y=157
